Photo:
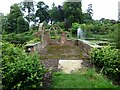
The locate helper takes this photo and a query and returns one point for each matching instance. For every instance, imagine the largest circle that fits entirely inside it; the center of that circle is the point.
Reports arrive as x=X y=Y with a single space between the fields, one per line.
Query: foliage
x=53 y=13
x=18 y=38
x=74 y=28
x=35 y=40
x=29 y=7
x=105 y=21
x=99 y=28
x=20 y=71
x=11 y=24
x=108 y=60
x=56 y=13
x=42 y=12
x=61 y=24
x=2 y=22
x=87 y=19
x=101 y=37
x=73 y=11
x=117 y=36
x=68 y=24
x=114 y=34
x=90 y=11
x=87 y=29
x=22 y=25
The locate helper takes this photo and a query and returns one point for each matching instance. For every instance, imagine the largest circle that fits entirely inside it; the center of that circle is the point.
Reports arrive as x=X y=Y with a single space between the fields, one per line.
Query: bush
x=108 y=60
x=87 y=29
x=22 y=25
x=20 y=71
x=61 y=24
x=117 y=36
x=18 y=38
x=74 y=28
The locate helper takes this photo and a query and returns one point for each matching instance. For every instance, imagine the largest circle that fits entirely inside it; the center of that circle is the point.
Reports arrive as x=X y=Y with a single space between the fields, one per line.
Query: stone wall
x=46 y=40
x=71 y=42
x=36 y=47
x=63 y=38
x=86 y=46
x=39 y=45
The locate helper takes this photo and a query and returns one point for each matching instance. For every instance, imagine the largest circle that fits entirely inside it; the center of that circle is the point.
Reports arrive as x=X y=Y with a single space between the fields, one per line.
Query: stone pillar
x=63 y=38
x=46 y=37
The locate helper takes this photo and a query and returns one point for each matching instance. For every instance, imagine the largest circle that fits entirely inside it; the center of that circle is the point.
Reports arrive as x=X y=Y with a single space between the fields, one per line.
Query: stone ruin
x=46 y=38
x=67 y=66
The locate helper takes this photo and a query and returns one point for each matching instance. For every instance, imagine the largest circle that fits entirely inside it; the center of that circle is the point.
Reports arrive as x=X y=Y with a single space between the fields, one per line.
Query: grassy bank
x=84 y=79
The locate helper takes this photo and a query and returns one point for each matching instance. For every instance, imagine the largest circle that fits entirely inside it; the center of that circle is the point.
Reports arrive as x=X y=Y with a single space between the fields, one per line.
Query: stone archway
x=55 y=32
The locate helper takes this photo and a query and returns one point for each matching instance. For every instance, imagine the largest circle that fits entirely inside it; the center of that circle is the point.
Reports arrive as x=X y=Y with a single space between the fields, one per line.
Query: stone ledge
x=69 y=66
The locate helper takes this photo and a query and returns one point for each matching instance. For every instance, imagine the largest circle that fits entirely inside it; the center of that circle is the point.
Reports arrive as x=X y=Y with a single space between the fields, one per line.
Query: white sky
x=101 y=8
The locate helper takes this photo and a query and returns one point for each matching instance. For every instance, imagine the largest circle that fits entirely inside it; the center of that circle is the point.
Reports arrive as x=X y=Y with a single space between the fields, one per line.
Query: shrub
x=108 y=60
x=87 y=29
x=22 y=25
x=20 y=70
x=117 y=36
x=18 y=38
x=61 y=24
x=74 y=28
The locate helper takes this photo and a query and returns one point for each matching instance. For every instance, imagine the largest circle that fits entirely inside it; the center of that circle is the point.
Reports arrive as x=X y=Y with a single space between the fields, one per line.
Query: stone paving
x=70 y=66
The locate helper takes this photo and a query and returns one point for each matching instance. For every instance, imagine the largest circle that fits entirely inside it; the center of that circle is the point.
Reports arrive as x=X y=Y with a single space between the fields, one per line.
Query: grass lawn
x=87 y=79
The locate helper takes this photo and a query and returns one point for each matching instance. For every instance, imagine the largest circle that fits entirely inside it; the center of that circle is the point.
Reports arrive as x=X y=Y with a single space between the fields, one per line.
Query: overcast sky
x=101 y=8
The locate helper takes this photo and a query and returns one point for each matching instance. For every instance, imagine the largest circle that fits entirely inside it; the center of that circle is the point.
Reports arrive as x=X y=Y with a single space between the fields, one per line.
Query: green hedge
x=20 y=71
x=107 y=59
x=18 y=38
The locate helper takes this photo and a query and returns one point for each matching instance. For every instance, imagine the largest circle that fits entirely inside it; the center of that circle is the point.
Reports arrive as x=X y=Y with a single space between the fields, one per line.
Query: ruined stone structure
x=63 y=38
x=46 y=40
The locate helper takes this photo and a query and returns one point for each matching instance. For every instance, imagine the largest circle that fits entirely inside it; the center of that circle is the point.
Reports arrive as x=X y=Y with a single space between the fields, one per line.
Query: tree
x=87 y=29
x=114 y=34
x=53 y=14
x=73 y=11
x=15 y=12
x=90 y=10
x=22 y=25
x=1 y=21
x=42 y=12
x=29 y=7
x=56 y=13
x=117 y=36
x=87 y=17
